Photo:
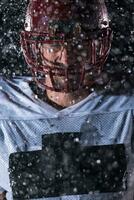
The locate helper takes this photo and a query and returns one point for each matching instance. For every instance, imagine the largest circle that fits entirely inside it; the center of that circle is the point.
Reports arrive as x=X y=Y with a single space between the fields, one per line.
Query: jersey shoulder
x=112 y=103
x=17 y=101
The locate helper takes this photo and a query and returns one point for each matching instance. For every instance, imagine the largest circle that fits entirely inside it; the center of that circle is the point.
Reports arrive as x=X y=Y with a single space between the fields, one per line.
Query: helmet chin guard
x=60 y=31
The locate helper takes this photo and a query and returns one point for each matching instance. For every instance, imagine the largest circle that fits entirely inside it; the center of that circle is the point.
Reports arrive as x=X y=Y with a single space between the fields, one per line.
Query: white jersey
x=25 y=118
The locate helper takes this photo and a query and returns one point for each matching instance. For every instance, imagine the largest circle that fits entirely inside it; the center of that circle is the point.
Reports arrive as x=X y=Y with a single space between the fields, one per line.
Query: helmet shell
x=43 y=15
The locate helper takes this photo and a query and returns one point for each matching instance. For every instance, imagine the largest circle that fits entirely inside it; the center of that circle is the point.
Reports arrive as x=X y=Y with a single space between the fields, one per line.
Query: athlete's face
x=65 y=55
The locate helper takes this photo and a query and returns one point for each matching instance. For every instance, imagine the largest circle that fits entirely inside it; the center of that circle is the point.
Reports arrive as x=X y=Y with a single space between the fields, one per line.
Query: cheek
x=48 y=56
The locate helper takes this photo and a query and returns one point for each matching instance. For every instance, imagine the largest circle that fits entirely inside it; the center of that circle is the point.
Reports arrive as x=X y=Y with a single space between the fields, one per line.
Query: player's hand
x=3 y=196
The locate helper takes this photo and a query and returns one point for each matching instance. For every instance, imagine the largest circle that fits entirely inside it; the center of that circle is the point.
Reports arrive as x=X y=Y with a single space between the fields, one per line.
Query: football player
x=65 y=44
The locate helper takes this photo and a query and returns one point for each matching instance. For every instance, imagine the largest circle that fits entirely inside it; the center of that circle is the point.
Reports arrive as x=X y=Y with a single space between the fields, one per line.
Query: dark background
x=119 y=66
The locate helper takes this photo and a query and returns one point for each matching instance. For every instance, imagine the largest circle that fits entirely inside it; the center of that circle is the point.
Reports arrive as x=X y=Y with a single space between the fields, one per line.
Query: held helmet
x=62 y=22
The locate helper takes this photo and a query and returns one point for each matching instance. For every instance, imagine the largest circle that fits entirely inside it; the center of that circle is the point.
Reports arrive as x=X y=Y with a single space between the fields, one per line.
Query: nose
x=66 y=57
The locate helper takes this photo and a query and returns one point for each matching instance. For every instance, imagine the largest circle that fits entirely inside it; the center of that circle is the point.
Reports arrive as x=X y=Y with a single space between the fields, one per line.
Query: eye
x=53 y=48
x=50 y=50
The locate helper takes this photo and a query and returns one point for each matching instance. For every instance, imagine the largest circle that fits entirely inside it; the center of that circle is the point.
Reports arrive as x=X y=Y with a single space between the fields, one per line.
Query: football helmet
x=82 y=26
